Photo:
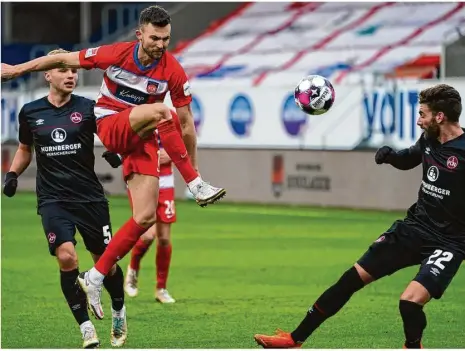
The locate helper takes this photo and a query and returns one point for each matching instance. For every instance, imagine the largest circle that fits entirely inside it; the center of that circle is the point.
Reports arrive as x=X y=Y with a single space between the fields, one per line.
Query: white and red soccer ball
x=314 y=95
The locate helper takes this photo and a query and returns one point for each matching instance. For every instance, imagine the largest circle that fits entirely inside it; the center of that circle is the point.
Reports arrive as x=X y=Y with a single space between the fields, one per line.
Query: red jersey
x=127 y=83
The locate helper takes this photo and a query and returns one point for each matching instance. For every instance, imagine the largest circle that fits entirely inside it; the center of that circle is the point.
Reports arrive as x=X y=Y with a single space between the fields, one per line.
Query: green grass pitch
x=236 y=270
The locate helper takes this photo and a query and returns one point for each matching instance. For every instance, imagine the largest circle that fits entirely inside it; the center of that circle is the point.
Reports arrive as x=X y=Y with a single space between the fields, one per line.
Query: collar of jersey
x=139 y=65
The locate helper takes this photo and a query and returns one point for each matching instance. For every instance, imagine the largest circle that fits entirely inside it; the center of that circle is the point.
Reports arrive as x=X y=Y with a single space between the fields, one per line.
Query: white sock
x=193 y=184
x=96 y=277
x=85 y=325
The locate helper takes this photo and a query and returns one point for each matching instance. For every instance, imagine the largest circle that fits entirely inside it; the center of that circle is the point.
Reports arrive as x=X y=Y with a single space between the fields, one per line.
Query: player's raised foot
x=89 y=336
x=93 y=293
x=163 y=296
x=205 y=194
x=119 y=327
x=130 y=283
x=280 y=340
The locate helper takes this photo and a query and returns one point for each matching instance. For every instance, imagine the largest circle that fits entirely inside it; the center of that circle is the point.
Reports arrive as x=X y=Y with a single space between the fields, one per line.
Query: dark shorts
x=407 y=244
x=60 y=221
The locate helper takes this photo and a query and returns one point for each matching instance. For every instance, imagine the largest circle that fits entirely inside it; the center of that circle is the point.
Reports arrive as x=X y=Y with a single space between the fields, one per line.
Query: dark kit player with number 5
x=60 y=129
x=432 y=234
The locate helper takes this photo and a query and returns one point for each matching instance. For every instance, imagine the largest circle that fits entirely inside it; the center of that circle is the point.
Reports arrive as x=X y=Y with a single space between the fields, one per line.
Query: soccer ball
x=314 y=95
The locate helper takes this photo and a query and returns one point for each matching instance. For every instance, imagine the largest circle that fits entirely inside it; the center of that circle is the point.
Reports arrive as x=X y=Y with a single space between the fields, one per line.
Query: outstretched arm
x=44 y=63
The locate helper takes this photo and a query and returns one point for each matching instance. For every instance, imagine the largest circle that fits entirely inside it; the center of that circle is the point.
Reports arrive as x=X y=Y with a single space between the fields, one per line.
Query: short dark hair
x=442 y=98
x=156 y=15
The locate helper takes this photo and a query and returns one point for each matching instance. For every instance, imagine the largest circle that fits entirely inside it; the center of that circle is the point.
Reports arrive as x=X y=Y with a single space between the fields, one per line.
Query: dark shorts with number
x=60 y=221
x=407 y=244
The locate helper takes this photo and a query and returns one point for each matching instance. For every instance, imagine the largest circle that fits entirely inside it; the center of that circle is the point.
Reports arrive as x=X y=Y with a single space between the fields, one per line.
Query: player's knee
x=149 y=235
x=145 y=219
x=364 y=275
x=67 y=257
x=160 y=113
x=164 y=242
x=416 y=293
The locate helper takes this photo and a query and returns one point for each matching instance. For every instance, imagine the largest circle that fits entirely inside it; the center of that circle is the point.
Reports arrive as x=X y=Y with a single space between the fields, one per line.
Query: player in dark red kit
x=432 y=234
x=59 y=129
x=129 y=108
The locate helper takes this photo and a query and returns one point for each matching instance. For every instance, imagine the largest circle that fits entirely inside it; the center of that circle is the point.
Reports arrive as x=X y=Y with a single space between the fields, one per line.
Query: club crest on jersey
x=51 y=237
x=76 y=117
x=58 y=135
x=452 y=162
x=152 y=88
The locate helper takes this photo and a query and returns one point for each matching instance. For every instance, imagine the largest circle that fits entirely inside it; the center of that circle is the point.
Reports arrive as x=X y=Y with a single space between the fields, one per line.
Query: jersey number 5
x=445 y=257
x=106 y=234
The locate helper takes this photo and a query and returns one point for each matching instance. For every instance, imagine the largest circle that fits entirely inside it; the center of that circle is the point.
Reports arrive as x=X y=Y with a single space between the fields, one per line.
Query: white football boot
x=89 y=336
x=130 y=283
x=204 y=193
x=93 y=293
x=163 y=296
x=119 y=327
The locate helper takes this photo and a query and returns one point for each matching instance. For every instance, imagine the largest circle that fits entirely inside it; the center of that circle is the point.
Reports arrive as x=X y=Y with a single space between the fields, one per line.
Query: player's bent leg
x=144 y=119
x=144 y=193
x=68 y=262
x=163 y=261
x=376 y=263
x=327 y=305
x=60 y=229
x=138 y=252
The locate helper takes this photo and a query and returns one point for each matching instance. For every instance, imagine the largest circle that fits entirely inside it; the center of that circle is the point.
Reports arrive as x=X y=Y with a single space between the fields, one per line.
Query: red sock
x=174 y=145
x=137 y=253
x=121 y=243
x=163 y=261
x=176 y=121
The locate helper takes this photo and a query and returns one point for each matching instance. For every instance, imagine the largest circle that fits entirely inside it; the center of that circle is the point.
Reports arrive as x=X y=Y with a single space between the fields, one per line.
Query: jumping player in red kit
x=137 y=76
x=161 y=231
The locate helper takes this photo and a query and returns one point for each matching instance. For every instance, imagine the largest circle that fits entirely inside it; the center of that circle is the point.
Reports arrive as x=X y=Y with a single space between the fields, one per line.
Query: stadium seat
x=264 y=43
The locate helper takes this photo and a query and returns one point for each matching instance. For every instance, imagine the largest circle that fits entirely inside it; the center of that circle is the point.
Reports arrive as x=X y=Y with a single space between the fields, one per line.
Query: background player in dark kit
x=60 y=129
x=432 y=235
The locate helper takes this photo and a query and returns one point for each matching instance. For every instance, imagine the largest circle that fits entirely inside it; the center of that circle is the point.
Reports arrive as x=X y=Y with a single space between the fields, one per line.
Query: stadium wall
x=320 y=178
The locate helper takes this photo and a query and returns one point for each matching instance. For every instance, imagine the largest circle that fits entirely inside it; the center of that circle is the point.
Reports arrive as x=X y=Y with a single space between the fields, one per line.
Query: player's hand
x=113 y=159
x=383 y=154
x=11 y=183
x=8 y=72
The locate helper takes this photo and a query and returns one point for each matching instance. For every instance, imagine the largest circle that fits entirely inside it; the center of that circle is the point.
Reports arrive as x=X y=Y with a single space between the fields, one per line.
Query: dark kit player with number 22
x=432 y=234
x=60 y=129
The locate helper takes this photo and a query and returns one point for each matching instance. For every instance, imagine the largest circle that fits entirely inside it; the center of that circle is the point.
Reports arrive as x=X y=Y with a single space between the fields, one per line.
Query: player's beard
x=151 y=54
x=433 y=130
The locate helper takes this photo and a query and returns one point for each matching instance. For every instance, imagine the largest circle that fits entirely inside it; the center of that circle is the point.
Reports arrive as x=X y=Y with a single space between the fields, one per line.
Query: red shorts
x=139 y=155
x=166 y=211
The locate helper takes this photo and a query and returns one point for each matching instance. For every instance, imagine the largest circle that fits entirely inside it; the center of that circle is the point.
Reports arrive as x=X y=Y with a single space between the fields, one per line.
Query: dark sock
x=414 y=319
x=114 y=285
x=74 y=295
x=328 y=304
